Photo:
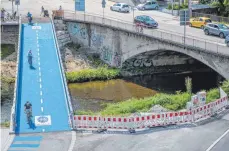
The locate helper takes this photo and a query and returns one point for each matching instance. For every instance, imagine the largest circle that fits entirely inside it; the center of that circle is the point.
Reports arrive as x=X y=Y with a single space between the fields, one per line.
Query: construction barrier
x=151 y=120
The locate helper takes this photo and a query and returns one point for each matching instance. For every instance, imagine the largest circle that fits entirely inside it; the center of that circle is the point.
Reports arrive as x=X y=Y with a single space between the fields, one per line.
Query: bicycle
x=29 y=116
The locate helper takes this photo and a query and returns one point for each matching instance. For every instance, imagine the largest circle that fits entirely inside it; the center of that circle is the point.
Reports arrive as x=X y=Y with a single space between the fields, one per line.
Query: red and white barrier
x=152 y=120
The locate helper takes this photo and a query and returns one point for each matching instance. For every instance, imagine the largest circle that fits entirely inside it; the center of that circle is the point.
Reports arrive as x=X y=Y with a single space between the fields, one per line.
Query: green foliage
x=82 y=112
x=177 y=7
x=172 y=102
x=5 y=124
x=101 y=73
x=6 y=50
x=188 y=85
x=204 y=1
x=7 y=88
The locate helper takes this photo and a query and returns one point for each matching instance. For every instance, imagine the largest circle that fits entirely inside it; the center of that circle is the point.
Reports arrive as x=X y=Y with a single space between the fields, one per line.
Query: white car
x=120 y=7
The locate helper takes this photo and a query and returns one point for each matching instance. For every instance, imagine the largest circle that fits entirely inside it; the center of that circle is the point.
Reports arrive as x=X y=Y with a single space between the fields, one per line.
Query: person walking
x=60 y=7
x=42 y=10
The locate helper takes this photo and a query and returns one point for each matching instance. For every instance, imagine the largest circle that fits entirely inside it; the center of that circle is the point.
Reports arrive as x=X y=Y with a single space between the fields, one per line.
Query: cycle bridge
x=43 y=83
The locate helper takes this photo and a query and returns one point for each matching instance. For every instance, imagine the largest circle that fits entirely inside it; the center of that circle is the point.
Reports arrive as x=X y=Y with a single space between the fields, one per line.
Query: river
x=94 y=95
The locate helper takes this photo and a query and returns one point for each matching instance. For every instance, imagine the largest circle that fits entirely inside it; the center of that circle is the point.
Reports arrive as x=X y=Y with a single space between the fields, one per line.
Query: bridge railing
x=175 y=38
x=14 y=106
x=68 y=103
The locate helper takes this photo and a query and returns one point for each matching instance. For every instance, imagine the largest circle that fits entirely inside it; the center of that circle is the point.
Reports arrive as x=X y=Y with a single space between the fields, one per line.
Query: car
x=120 y=7
x=199 y=22
x=227 y=40
x=148 y=5
x=146 y=20
x=220 y=30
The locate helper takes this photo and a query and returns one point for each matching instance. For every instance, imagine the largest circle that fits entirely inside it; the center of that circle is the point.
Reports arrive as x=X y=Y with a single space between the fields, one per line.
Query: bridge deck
x=41 y=84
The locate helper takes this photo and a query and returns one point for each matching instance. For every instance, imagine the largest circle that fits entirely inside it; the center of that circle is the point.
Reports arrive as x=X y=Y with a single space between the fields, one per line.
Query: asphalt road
x=166 y=21
x=160 y=139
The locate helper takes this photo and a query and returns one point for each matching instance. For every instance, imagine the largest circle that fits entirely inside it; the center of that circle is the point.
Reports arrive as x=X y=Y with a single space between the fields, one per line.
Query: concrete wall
x=9 y=34
x=116 y=46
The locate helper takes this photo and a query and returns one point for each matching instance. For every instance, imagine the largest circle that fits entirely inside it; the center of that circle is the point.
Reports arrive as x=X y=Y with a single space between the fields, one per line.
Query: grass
x=6 y=50
x=172 y=102
x=101 y=73
x=5 y=124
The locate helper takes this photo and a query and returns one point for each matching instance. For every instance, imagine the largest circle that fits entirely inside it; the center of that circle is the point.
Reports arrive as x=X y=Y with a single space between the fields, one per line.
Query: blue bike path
x=42 y=83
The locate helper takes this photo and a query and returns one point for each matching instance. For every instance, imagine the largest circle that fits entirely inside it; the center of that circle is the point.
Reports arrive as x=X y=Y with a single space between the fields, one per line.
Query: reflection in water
x=94 y=95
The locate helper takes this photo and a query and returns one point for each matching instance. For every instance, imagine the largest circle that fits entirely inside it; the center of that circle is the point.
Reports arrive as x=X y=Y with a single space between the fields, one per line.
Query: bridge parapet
x=186 y=42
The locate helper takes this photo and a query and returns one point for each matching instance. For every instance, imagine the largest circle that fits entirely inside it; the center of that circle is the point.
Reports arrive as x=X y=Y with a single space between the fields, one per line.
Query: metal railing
x=212 y=17
x=70 y=116
x=174 y=38
x=14 y=106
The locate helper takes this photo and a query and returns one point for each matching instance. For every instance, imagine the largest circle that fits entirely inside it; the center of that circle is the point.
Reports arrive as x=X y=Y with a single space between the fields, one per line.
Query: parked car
x=220 y=30
x=227 y=40
x=120 y=7
x=148 y=5
x=199 y=22
x=146 y=20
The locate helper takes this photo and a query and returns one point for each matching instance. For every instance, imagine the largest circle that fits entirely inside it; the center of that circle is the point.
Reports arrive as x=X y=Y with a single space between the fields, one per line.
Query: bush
x=5 y=124
x=6 y=50
x=101 y=73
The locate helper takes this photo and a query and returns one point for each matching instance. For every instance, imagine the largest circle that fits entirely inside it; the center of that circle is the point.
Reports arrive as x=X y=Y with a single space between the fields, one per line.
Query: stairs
x=62 y=33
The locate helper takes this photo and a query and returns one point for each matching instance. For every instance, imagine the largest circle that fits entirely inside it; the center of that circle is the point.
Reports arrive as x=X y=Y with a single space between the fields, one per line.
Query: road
x=40 y=84
x=166 y=22
x=159 y=139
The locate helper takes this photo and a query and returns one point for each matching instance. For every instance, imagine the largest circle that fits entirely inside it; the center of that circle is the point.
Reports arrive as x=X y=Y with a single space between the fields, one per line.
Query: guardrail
x=174 y=38
x=69 y=105
x=14 y=106
x=150 y=120
x=212 y=17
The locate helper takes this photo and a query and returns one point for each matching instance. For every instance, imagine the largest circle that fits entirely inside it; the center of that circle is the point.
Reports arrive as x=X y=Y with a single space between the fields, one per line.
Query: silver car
x=120 y=7
x=220 y=30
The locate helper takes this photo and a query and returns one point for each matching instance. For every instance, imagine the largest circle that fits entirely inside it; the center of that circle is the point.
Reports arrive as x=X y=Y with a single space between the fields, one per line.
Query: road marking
x=41 y=101
x=41 y=93
x=39 y=69
x=43 y=130
x=40 y=74
x=37 y=45
x=224 y=134
x=72 y=141
x=39 y=63
x=42 y=109
x=40 y=86
x=38 y=54
x=40 y=79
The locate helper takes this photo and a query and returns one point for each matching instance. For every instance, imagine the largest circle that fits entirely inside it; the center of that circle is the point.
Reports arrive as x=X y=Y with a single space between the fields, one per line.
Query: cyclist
x=30 y=56
x=28 y=110
x=29 y=15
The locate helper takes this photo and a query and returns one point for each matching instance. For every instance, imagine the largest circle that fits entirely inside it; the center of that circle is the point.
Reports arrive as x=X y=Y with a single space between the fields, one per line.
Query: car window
x=201 y=19
x=118 y=4
x=210 y=25
x=222 y=26
x=153 y=2
x=125 y=6
x=215 y=26
x=148 y=3
x=208 y=21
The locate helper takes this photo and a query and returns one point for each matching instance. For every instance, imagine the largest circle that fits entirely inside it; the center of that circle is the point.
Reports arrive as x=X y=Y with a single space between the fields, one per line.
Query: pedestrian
x=42 y=10
x=60 y=8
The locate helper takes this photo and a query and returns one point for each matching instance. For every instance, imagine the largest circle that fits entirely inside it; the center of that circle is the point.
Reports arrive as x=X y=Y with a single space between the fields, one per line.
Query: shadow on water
x=96 y=94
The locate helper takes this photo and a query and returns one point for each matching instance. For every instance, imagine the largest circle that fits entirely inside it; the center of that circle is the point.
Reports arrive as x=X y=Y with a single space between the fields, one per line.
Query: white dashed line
x=42 y=109
x=37 y=45
x=40 y=74
x=39 y=69
x=43 y=130
x=40 y=86
x=41 y=101
x=39 y=63
x=40 y=79
x=41 y=93
x=38 y=51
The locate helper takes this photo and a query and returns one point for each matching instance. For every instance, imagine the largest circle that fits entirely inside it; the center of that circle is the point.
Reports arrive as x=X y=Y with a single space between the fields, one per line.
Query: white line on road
x=39 y=63
x=40 y=74
x=41 y=93
x=39 y=69
x=43 y=130
x=41 y=101
x=38 y=46
x=42 y=109
x=40 y=79
x=72 y=141
x=40 y=86
x=224 y=134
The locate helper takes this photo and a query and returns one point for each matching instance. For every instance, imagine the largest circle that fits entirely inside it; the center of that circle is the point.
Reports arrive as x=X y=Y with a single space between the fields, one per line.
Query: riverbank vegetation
x=101 y=73
x=172 y=102
x=6 y=50
x=7 y=87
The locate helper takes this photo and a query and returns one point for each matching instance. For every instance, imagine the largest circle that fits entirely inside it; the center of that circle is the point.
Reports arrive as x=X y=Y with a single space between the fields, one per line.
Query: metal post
x=172 y=7
x=184 y=26
x=84 y=15
x=12 y=7
x=103 y=13
x=133 y=13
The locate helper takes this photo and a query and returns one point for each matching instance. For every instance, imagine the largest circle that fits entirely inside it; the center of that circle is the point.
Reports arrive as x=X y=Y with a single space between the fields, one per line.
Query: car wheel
x=206 y=32
x=202 y=27
x=143 y=8
x=228 y=43
x=190 y=25
x=156 y=8
x=221 y=35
